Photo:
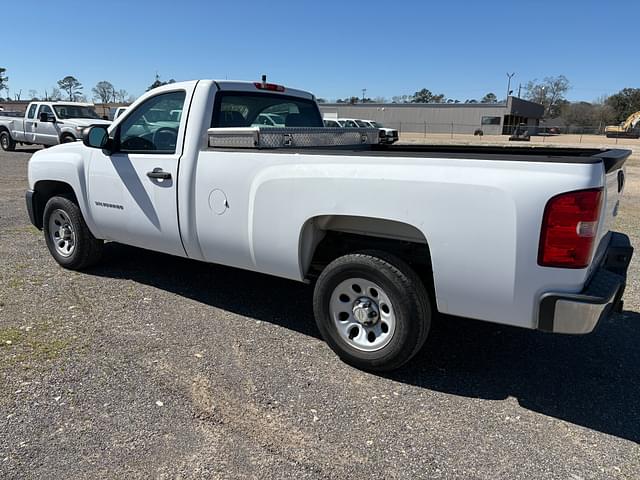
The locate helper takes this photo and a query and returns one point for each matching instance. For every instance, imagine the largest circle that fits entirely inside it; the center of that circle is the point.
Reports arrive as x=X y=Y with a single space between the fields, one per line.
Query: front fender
x=65 y=164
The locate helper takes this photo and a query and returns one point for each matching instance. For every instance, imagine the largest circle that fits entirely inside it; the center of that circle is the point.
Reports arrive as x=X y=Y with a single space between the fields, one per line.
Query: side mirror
x=96 y=137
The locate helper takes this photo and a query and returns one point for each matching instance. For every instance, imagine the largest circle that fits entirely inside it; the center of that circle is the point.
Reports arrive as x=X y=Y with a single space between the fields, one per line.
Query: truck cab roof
x=244 y=86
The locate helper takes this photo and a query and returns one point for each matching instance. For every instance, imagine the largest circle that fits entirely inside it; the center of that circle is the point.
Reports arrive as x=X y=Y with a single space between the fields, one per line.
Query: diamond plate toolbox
x=291 y=137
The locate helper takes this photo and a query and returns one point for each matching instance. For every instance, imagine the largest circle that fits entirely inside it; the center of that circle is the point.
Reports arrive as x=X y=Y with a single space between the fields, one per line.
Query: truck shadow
x=592 y=381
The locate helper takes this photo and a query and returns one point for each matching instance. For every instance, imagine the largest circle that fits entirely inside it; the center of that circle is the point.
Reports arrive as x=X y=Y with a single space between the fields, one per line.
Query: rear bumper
x=579 y=313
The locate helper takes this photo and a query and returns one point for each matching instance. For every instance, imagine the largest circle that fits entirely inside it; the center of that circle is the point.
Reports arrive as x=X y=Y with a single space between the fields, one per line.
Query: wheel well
x=326 y=238
x=45 y=190
x=67 y=134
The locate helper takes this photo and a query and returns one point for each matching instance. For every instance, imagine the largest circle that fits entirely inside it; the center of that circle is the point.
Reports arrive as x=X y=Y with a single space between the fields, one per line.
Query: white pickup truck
x=390 y=234
x=48 y=123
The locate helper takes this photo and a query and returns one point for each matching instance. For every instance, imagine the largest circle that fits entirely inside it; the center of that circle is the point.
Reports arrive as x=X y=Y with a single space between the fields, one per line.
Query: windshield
x=75 y=111
x=362 y=124
x=376 y=124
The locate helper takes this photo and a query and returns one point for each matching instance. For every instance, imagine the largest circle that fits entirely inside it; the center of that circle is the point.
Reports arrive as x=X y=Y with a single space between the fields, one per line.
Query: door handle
x=158 y=173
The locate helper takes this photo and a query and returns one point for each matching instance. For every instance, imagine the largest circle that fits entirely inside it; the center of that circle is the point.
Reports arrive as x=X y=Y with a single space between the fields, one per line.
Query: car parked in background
x=270 y=120
x=48 y=123
x=390 y=134
x=117 y=111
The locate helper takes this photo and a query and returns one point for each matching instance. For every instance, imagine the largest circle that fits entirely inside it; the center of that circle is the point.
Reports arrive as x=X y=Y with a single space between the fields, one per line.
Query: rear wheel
x=6 y=142
x=68 y=238
x=372 y=310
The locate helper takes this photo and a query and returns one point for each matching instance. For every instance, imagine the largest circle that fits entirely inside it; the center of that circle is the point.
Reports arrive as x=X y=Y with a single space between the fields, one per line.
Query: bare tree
x=72 y=86
x=55 y=94
x=549 y=93
x=121 y=95
x=33 y=95
x=104 y=91
x=4 y=80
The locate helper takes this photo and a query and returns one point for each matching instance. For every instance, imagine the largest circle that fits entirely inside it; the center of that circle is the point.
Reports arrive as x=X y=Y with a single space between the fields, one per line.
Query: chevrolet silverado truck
x=48 y=123
x=389 y=235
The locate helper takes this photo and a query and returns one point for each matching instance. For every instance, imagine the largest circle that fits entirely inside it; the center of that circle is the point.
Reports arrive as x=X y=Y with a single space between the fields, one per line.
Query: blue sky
x=333 y=48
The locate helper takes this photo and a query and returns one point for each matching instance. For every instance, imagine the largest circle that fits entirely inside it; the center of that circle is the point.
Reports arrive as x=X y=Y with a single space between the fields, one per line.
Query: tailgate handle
x=158 y=173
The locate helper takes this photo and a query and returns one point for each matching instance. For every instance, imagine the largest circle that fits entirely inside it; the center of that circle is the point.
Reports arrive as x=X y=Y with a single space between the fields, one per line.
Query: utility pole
x=509 y=75
x=364 y=90
x=519 y=88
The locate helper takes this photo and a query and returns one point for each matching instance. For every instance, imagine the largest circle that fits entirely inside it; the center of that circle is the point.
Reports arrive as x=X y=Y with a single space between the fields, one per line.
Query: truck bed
x=612 y=158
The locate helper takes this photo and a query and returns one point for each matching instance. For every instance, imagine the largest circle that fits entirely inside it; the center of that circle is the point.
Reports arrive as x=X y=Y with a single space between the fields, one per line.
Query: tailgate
x=613 y=162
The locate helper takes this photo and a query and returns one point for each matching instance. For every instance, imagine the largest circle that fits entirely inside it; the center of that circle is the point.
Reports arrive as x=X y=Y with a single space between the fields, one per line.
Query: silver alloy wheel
x=61 y=232
x=363 y=314
x=5 y=141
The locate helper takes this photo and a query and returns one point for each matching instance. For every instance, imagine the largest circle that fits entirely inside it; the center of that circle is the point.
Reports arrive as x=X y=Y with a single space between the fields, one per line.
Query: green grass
x=27 y=347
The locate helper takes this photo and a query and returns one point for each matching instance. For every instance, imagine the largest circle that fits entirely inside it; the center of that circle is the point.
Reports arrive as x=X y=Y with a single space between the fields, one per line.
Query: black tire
x=7 y=143
x=67 y=138
x=87 y=250
x=405 y=291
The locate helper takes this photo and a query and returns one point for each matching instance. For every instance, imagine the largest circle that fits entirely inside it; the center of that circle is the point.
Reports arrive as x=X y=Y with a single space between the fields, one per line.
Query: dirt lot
x=153 y=366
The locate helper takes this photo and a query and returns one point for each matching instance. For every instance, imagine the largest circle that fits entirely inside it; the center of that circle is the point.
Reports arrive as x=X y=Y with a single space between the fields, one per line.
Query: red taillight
x=269 y=86
x=569 y=229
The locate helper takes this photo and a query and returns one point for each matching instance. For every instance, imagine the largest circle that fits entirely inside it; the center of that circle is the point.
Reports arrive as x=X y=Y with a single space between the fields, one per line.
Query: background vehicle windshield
x=239 y=109
x=376 y=124
x=75 y=111
x=362 y=124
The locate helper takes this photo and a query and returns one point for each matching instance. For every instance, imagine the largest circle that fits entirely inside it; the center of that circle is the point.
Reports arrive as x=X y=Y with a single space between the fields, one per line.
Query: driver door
x=132 y=192
x=46 y=132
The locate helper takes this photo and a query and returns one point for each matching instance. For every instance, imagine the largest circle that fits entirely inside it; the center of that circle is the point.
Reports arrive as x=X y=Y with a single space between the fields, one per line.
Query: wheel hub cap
x=362 y=314
x=366 y=311
x=61 y=233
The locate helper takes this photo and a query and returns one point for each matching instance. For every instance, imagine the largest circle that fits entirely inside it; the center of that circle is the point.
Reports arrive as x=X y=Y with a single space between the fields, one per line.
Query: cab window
x=153 y=125
x=45 y=109
x=245 y=109
x=32 y=111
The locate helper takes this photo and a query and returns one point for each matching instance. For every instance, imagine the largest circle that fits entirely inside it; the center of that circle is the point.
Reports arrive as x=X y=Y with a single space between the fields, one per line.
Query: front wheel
x=68 y=238
x=372 y=310
x=7 y=143
x=67 y=139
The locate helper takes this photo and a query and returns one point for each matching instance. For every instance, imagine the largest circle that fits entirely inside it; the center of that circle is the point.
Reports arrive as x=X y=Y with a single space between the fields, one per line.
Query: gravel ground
x=153 y=366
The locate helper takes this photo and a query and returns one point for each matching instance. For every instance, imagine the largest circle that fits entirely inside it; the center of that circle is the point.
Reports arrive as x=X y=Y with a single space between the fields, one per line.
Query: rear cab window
x=247 y=109
x=32 y=110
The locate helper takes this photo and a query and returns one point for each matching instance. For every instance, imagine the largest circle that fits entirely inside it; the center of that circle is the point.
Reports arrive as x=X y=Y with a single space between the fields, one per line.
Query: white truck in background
x=48 y=123
x=117 y=111
x=390 y=235
x=389 y=135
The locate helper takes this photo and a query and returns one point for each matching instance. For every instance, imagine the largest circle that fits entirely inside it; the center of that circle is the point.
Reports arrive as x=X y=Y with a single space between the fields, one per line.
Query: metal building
x=491 y=118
